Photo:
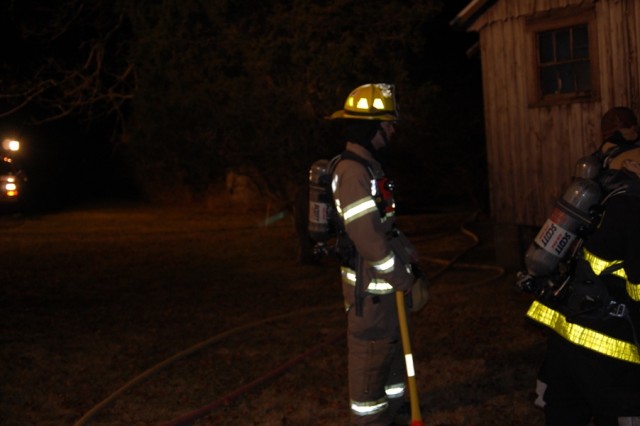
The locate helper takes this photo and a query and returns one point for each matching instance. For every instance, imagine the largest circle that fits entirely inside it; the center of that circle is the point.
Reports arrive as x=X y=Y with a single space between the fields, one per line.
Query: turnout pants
x=377 y=377
x=582 y=385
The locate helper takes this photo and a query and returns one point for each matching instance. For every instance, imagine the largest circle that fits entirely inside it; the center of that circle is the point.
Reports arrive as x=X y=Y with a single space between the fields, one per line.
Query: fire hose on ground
x=194 y=415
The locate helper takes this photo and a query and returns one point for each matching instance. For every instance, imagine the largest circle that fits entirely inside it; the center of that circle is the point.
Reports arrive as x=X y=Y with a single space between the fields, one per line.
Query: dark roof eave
x=470 y=13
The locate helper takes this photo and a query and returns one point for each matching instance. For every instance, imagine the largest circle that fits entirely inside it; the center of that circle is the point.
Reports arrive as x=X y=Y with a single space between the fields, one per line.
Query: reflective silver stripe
x=348 y=275
x=338 y=207
x=368 y=408
x=408 y=360
x=395 y=391
x=379 y=286
x=358 y=209
x=376 y=286
x=385 y=265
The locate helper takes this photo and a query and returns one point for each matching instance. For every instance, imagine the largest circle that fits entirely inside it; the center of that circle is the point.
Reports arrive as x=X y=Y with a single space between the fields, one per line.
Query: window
x=565 y=61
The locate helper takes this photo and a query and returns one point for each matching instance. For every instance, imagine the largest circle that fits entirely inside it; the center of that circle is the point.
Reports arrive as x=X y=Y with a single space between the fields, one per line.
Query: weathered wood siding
x=532 y=150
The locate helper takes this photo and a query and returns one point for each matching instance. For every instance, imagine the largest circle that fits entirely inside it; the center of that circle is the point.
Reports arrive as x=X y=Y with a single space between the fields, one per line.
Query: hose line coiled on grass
x=192 y=416
x=82 y=421
x=447 y=264
x=198 y=413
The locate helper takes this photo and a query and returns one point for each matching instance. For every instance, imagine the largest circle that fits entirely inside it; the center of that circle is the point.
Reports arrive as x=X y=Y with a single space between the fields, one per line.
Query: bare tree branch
x=90 y=78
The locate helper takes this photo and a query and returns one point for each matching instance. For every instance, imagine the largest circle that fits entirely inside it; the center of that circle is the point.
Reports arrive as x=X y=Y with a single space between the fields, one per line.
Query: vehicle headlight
x=11 y=145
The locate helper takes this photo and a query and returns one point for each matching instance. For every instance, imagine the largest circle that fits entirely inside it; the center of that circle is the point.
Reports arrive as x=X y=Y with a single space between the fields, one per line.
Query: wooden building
x=550 y=69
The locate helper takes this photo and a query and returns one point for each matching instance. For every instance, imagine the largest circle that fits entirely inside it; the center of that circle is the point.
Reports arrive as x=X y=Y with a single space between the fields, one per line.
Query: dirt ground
x=132 y=315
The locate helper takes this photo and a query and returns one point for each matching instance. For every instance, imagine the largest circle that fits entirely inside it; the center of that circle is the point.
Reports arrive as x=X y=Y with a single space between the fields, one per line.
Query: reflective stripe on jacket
x=584 y=336
x=375 y=286
x=598 y=265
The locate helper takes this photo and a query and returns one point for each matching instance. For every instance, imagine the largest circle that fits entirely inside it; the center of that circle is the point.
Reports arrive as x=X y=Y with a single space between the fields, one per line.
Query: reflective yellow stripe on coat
x=376 y=286
x=386 y=265
x=357 y=209
x=598 y=265
x=583 y=336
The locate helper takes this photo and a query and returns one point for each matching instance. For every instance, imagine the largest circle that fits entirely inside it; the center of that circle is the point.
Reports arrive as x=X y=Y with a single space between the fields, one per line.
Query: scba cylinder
x=588 y=167
x=571 y=214
x=319 y=201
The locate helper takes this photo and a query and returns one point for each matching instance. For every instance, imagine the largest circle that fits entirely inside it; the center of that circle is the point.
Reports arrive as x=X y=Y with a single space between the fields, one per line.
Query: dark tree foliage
x=246 y=85
x=199 y=87
x=192 y=89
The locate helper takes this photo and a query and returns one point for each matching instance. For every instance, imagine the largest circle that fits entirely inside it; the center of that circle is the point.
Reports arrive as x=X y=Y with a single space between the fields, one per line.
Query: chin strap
x=385 y=138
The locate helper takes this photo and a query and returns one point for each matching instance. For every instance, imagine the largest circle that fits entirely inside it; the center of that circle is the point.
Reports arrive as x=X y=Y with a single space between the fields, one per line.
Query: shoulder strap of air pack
x=620 y=145
x=348 y=155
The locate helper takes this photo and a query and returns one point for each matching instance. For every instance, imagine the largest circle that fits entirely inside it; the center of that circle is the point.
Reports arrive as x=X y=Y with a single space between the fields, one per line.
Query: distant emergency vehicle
x=12 y=178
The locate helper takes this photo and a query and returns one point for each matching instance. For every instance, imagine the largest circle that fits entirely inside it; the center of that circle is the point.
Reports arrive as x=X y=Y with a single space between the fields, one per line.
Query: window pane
x=565 y=77
x=563 y=45
x=580 y=42
x=548 y=83
x=545 y=46
x=564 y=67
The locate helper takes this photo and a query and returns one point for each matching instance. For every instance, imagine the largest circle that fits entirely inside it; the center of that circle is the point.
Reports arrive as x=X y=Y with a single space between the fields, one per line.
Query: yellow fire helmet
x=370 y=102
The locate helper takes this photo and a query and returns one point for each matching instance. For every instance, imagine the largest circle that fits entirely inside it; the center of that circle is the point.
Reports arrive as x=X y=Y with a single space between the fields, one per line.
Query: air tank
x=571 y=214
x=319 y=201
x=588 y=167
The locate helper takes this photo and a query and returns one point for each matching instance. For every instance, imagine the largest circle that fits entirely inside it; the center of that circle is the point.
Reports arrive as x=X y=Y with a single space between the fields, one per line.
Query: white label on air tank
x=318 y=212
x=554 y=239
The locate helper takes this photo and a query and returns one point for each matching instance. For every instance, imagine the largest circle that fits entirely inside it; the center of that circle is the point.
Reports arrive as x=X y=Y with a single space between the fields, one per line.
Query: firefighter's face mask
x=384 y=135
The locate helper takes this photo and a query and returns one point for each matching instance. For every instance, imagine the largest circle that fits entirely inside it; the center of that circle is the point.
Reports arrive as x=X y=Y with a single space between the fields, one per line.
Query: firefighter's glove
x=419 y=294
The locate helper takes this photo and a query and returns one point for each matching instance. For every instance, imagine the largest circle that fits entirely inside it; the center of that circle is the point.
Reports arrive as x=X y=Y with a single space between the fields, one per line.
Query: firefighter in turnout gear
x=377 y=260
x=591 y=370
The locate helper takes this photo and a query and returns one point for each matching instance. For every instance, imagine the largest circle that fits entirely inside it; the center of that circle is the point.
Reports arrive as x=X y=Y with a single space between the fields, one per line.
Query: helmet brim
x=342 y=114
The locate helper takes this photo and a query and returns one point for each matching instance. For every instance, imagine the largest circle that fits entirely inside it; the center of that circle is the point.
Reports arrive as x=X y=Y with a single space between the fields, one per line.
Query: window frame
x=550 y=22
